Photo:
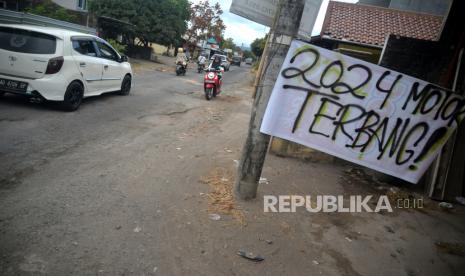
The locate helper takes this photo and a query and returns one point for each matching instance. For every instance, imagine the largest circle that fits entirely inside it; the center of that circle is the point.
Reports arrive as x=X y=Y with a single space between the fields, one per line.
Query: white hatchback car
x=59 y=65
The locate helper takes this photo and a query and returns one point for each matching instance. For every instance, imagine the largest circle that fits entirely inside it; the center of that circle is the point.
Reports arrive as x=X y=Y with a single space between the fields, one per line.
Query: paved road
x=113 y=189
x=108 y=189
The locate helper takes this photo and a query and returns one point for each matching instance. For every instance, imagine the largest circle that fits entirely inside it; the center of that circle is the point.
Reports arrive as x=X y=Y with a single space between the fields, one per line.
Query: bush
x=118 y=46
x=49 y=9
x=256 y=64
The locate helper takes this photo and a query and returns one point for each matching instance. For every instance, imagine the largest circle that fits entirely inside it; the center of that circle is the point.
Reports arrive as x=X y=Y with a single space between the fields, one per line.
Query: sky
x=244 y=31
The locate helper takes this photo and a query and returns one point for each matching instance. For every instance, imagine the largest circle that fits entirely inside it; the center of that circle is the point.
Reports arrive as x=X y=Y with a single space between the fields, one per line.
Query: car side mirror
x=123 y=59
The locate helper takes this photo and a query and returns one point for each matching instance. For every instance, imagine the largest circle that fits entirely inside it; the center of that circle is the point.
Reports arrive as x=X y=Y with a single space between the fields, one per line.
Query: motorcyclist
x=201 y=61
x=216 y=65
x=181 y=58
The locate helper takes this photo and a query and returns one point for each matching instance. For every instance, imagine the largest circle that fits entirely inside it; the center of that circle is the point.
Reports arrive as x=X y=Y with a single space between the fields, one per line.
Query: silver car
x=224 y=61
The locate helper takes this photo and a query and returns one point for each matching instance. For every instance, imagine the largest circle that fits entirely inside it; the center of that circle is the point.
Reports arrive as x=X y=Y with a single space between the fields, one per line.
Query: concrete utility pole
x=285 y=27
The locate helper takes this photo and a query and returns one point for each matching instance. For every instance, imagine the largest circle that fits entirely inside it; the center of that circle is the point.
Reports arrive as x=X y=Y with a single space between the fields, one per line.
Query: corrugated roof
x=371 y=25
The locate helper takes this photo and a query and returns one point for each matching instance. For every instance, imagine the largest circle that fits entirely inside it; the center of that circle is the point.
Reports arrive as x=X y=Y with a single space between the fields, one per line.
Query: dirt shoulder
x=162 y=64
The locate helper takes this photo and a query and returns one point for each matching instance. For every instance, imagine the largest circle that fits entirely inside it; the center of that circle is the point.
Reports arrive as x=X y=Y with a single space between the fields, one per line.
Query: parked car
x=224 y=61
x=52 y=64
x=248 y=61
x=236 y=60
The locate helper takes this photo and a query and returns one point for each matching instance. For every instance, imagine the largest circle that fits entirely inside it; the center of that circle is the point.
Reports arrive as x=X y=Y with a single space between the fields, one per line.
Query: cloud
x=241 y=30
x=244 y=31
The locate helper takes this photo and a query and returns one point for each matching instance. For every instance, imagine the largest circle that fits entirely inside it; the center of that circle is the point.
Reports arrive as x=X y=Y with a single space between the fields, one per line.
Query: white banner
x=361 y=112
x=263 y=11
x=260 y=11
x=309 y=15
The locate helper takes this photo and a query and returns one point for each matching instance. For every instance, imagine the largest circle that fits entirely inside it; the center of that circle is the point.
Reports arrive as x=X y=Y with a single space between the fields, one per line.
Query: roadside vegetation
x=49 y=9
x=159 y=21
x=118 y=46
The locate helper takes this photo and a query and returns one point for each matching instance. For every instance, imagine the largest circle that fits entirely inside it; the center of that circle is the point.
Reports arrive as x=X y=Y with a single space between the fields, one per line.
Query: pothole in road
x=11 y=120
x=15 y=178
x=175 y=112
x=184 y=93
x=169 y=110
x=201 y=118
x=228 y=98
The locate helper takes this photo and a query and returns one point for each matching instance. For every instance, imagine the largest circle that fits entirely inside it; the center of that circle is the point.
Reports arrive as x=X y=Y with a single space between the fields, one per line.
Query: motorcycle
x=181 y=68
x=212 y=83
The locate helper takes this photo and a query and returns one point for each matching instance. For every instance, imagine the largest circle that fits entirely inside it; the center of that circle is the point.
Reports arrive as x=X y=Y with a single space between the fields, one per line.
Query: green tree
x=118 y=47
x=258 y=45
x=49 y=9
x=248 y=54
x=228 y=44
x=160 y=21
x=205 y=21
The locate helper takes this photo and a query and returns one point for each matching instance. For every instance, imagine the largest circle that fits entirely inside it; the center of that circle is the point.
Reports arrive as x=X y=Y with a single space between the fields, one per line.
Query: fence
x=12 y=17
x=139 y=52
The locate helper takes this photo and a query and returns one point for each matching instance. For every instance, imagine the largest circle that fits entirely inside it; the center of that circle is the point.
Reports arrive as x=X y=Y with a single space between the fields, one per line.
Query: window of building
x=82 y=4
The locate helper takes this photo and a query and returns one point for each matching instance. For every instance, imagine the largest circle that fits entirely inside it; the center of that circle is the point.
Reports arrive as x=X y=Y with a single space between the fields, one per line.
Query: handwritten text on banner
x=361 y=112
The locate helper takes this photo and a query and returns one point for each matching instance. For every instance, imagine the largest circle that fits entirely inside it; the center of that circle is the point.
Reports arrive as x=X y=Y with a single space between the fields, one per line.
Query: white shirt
x=202 y=59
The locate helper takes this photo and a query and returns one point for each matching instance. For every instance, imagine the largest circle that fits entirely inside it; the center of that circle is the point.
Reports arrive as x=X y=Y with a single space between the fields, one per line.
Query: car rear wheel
x=73 y=96
x=125 y=86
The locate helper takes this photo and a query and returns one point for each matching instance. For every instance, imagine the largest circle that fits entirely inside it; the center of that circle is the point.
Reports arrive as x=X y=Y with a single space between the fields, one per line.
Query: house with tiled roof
x=421 y=38
x=361 y=30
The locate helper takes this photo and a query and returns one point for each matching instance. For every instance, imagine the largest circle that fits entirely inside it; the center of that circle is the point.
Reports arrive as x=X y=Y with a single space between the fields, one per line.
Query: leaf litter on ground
x=221 y=197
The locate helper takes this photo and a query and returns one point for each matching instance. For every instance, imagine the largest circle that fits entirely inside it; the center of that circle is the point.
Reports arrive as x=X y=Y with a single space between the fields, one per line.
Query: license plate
x=12 y=85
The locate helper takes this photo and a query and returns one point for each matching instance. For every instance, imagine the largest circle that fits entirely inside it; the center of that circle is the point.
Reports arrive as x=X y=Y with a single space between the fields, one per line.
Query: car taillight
x=54 y=65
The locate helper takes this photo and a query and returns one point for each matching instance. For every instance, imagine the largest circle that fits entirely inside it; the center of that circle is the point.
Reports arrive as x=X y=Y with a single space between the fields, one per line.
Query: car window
x=106 y=51
x=84 y=47
x=24 y=41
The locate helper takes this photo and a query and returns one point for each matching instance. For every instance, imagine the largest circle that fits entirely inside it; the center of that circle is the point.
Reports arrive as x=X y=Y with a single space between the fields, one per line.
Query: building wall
x=14 y=5
x=437 y=7
x=70 y=4
x=285 y=148
x=379 y=3
x=436 y=62
x=423 y=59
x=359 y=51
x=161 y=50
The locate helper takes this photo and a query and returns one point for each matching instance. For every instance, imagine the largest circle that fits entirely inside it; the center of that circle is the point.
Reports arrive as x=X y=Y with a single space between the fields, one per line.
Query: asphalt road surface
x=113 y=189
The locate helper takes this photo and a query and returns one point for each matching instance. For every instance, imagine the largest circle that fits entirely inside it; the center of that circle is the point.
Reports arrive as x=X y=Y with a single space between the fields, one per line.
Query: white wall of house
x=77 y=5
x=437 y=7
